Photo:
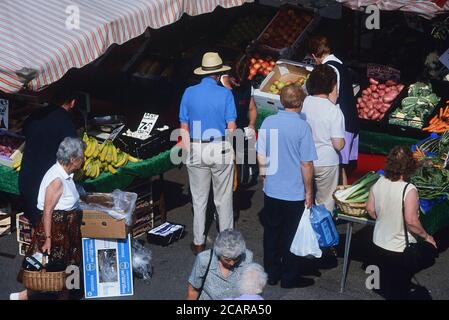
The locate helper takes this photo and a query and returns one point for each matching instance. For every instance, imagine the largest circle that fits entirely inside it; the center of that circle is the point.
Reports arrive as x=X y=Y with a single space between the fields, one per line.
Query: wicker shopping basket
x=43 y=281
x=351 y=209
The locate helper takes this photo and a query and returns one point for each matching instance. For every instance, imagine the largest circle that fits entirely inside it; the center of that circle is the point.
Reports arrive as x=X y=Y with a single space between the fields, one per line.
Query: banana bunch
x=103 y=157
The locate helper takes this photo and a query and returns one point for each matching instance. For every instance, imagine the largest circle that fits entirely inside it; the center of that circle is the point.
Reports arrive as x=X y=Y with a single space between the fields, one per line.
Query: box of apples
x=284 y=73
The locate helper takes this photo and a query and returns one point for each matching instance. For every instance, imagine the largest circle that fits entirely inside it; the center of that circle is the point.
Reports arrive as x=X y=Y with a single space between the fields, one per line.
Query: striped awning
x=39 y=44
x=425 y=8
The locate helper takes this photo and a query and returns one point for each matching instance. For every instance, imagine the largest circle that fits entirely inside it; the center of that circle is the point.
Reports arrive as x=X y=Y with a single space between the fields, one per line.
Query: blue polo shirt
x=285 y=140
x=207 y=107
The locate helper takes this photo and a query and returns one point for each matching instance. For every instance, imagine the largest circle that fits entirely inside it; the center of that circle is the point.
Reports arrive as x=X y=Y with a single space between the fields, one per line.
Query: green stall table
x=108 y=182
x=370 y=142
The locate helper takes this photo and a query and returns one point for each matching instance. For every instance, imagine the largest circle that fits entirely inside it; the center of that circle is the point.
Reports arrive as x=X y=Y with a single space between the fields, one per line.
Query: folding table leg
x=346 y=257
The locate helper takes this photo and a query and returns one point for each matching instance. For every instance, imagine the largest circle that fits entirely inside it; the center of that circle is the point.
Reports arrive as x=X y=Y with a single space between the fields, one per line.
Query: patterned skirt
x=65 y=238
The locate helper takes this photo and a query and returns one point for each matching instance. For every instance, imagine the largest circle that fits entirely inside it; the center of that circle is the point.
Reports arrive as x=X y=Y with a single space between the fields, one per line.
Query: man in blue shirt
x=286 y=152
x=207 y=111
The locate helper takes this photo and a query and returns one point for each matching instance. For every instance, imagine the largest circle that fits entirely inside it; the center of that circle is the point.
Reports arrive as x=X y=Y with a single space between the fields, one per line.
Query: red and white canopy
x=425 y=8
x=34 y=36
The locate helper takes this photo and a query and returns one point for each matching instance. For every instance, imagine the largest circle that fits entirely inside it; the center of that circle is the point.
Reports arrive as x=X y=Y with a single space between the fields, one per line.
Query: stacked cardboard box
x=144 y=216
x=23 y=226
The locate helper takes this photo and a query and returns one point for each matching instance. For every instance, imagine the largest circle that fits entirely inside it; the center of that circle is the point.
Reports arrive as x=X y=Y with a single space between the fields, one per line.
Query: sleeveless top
x=70 y=196
x=389 y=229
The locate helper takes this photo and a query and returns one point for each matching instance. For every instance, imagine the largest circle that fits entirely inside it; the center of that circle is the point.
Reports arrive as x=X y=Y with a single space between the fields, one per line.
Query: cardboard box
x=5 y=225
x=100 y=225
x=17 y=154
x=285 y=70
x=23 y=248
x=108 y=269
x=23 y=227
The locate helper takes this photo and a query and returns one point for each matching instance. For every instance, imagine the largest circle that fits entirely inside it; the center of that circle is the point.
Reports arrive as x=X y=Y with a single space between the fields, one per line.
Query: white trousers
x=206 y=161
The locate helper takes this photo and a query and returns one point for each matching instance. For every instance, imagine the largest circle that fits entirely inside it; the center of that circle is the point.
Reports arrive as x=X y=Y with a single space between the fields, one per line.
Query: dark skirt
x=65 y=238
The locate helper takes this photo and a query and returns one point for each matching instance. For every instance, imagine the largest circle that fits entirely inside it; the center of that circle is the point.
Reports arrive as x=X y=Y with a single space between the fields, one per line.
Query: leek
x=359 y=191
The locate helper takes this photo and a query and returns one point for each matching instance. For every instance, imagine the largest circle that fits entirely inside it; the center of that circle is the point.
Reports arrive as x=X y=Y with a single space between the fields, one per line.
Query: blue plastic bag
x=324 y=226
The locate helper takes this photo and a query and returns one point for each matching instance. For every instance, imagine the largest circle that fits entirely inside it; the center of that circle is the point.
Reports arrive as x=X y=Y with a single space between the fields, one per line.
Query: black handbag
x=417 y=256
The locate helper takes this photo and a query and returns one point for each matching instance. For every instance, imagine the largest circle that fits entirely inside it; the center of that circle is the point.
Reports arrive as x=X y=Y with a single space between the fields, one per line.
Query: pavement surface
x=172 y=264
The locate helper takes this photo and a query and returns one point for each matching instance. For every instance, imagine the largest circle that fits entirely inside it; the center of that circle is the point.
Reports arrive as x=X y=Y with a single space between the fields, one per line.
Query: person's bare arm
x=52 y=196
x=262 y=161
x=307 y=177
x=411 y=209
x=370 y=205
x=185 y=135
x=232 y=126
x=192 y=293
x=338 y=143
x=252 y=114
x=333 y=96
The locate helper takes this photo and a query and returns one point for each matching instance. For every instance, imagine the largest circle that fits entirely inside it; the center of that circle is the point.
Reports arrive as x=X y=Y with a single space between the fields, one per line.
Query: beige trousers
x=208 y=161
x=326 y=181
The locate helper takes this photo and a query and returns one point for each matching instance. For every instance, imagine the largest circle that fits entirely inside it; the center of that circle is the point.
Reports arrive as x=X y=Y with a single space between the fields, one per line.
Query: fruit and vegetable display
x=440 y=122
x=8 y=145
x=277 y=86
x=431 y=181
x=359 y=191
x=416 y=107
x=432 y=178
x=152 y=67
x=260 y=66
x=377 y=99
x=103 y=157
x=434 y=146
x=244 y=30
x=285 y=29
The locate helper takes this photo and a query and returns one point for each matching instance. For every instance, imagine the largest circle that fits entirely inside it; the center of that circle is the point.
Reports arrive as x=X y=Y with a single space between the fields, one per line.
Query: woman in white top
x=328 y=128
x=58 y=234
x=385 y=206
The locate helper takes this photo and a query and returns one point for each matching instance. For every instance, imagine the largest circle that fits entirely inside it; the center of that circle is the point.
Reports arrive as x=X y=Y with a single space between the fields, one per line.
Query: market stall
x=42 y=40
x=426 y=9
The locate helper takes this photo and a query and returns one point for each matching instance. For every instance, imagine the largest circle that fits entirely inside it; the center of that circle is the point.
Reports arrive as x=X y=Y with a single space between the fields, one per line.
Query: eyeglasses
x=230 y=260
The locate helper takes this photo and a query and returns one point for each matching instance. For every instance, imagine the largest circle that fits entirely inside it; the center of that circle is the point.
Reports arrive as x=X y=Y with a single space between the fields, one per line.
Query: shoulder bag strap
x=205 y=274
x=403 y=215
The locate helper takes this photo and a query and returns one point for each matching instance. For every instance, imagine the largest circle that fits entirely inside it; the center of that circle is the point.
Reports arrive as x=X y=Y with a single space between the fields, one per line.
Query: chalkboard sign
x=382 y=73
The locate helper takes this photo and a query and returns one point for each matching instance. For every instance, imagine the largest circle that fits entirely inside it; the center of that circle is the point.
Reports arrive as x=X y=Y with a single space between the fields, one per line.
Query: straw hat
x=211 y=63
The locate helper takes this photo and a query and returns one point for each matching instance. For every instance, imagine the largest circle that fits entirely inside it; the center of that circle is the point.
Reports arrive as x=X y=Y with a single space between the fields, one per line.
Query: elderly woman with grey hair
x=58 y=233
x=253 y=280
x=216 y=273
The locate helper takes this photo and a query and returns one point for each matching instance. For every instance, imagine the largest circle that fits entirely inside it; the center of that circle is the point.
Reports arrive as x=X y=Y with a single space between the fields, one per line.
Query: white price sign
x=4 y=110
x=147 y=123
x=115 y=132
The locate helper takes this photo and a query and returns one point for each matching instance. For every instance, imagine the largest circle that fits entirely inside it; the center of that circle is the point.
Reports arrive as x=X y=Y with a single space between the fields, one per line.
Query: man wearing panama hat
x=207 y=111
